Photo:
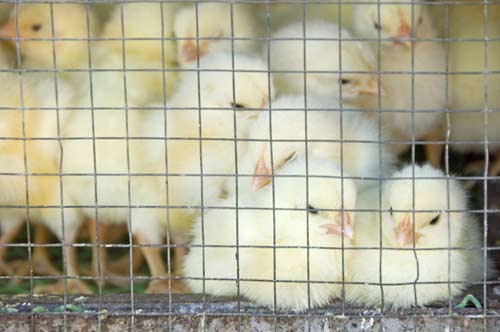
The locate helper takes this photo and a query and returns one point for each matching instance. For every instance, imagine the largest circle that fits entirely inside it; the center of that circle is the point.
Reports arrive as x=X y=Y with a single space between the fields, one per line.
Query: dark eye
x=377 y=26
x=434 y=221
x=344 y=81
x=290 y=157
x=36 y=27
x=236 y=105
x=391 y=211
x=311 y=209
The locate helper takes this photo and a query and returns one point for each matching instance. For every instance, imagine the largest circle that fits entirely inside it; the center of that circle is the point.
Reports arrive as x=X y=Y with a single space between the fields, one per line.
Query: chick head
x=211 y=25
x=426 y=213
x=249 y=81
x=319 y=190
x=344 y=70
x=286 y=131
x=396 y=22
x=34 y=21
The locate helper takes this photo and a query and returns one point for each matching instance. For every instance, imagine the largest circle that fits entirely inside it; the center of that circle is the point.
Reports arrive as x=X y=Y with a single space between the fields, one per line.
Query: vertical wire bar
x=235 y=136
x=200 y=140
x=413 y=138
x=127 y=139
x=167 y=196
x=25 y=156
x=304 y=72
x=341 y=138
x=380 y=138
x=486 y=165
x=447 y=148
x=94 y=144
x=273 y=191
x=64 y=240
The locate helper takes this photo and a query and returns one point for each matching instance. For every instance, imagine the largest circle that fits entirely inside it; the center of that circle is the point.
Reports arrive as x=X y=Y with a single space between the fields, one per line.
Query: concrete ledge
x=195 y=313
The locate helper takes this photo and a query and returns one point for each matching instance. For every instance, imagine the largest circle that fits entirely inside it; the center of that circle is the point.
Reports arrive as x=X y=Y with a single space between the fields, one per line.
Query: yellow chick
x=413 y=86
x=40 y=193
x=323 y=62
x=468 y=89
x=423 y=216
x=212 y=24
x=348 y=138
x=144 y=26
x=56 y=21
x=312 y=210
x=112 y=154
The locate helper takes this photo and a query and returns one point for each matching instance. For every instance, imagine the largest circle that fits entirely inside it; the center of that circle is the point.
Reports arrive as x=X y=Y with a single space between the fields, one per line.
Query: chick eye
x=391 y=211
x=344 y=81
x=36 y=27
x=311 y=209
x=434 y=221
x=290 y=157
x=236 y=105
x=377 y=26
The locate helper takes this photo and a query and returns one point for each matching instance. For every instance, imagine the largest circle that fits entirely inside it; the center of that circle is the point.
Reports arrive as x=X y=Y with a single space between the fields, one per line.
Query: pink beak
x=336 y=228
x=8 y=30
x=261 y=175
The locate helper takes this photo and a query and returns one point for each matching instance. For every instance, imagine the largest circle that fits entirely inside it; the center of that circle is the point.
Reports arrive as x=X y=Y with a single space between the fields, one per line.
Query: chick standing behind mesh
x=37 y=122
x=348 y=138
x=417 y=83
x=324 y=60
x=473 y=90
x=436 y=230
x=309 y=211
x=148 y=156
x=215 y=24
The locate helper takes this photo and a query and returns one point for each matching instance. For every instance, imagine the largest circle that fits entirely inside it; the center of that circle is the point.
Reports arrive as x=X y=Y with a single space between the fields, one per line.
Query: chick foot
x=121 y=266
x=163 y=287
x=73 y=286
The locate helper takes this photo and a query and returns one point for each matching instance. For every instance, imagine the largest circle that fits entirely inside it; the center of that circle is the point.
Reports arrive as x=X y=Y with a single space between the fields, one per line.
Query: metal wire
x=204 y=308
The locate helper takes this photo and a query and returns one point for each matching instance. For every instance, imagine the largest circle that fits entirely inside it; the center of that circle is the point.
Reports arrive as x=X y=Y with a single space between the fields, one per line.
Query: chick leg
x=41 y=259
x=72 y=286
x=495 y=166
x=434 y=151
x=99 y=255
x=7 y=238
x=158 y=270
x=179 y=255
x=122 y=265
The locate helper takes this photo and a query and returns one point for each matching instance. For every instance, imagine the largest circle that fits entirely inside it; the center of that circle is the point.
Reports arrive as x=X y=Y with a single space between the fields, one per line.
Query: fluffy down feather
x=323 y=62
x=298 y=221
x=427 y=268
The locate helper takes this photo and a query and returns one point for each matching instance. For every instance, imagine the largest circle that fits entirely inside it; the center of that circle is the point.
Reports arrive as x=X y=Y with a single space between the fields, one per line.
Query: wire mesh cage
x=249 y=165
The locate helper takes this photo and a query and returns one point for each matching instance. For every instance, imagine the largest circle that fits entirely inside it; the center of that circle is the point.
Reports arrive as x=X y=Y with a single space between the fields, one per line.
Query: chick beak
x=404 y=34
x=404 y=232
x=372 y=88
x=190 y=51
x=8 y=30
x=337 y=229
x=261 y=175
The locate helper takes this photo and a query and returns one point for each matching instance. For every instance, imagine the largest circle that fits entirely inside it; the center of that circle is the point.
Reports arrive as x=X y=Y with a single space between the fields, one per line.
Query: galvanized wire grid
x=239 y=311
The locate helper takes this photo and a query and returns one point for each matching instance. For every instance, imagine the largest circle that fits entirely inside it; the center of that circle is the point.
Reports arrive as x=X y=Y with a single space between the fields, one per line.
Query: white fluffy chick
x=310 y=211
x=422 y=216
x=212 y=23
x=34 y=20
x=149 y=226
x=145 y=24
x=348 y=138
x=37 y=121
x=396 y=28
x=323 y=62
x=469 y=88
